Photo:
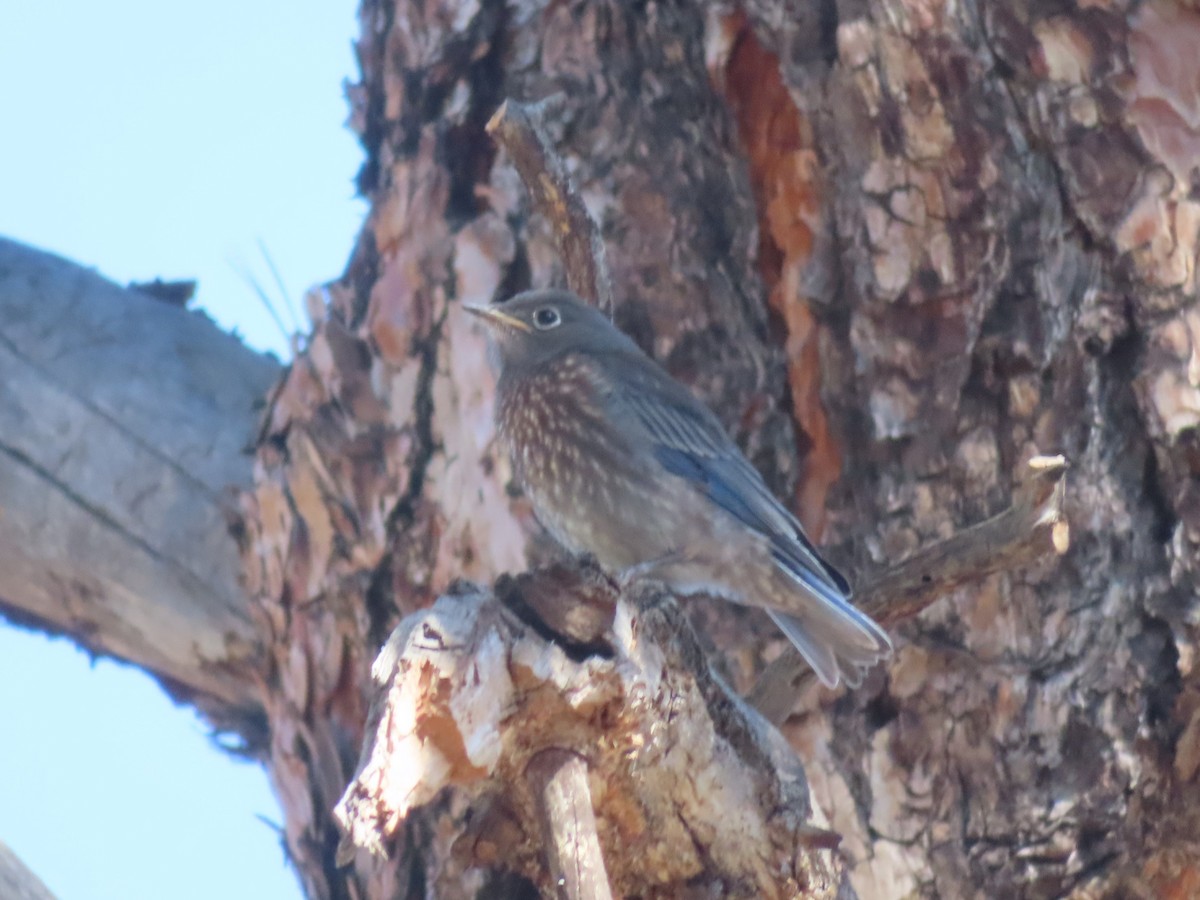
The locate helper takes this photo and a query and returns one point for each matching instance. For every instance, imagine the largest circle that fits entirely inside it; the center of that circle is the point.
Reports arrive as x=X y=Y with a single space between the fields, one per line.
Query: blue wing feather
x=727 y=486
x=689 y=441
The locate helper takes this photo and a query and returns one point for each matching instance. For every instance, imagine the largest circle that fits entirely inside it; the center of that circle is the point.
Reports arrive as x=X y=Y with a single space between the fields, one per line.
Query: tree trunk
x=901 y=248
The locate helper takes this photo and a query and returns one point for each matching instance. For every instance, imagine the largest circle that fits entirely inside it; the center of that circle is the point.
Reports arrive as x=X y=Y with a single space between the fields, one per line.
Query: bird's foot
x=655 y=569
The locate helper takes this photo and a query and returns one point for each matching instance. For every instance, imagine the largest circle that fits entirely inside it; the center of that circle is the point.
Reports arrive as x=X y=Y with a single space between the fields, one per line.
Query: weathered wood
x=698 y=792
x=559 y=779
x=123 y=422
x=17 y=882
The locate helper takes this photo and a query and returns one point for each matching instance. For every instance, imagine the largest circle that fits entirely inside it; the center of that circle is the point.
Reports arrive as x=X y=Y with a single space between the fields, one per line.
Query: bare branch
x=1033 y=526
x=17 y=882
x=123 y=419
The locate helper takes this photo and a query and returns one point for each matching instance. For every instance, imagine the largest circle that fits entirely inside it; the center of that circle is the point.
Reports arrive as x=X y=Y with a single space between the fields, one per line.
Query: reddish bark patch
x=785 y=173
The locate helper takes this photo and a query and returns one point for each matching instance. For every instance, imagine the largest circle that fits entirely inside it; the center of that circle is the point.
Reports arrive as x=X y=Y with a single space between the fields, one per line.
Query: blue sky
x=151 y=139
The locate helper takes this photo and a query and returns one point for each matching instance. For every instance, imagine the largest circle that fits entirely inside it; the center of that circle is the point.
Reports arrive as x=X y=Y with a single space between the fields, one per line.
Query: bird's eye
x=546 y=318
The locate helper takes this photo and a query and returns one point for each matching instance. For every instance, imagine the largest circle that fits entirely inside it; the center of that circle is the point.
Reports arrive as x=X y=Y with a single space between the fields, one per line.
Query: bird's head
x=537 y=326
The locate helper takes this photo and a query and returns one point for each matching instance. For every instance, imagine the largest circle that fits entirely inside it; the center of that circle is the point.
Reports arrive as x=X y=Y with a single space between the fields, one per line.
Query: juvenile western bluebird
x=621 y=461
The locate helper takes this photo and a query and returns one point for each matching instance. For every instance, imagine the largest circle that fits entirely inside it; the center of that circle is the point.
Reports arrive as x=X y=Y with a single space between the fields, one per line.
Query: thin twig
x=1033 y=526
x=284 y=294
x=518 y=128
x=263 y=298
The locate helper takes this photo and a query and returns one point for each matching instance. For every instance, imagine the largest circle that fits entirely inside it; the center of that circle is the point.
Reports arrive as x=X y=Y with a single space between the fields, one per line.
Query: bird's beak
x=495 y=315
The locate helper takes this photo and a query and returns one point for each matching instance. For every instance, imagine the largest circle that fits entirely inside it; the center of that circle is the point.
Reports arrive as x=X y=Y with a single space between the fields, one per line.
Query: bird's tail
x=839 y=641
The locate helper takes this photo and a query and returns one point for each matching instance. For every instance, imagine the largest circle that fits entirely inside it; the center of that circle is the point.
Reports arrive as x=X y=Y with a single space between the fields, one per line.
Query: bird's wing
x=689 y=441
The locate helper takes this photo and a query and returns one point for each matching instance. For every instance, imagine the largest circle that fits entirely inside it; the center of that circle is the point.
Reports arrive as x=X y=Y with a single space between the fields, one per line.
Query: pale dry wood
x=123 y=421
x=698 y=789
x=560 y=782
x=17 y=882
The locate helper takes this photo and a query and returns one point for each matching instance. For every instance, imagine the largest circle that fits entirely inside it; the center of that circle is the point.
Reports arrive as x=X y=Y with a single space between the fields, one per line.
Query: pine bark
x=902 y=248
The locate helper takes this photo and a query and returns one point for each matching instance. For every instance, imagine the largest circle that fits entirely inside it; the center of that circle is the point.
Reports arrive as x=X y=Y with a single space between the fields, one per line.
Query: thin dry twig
x=1033 y=526
x=518 y=128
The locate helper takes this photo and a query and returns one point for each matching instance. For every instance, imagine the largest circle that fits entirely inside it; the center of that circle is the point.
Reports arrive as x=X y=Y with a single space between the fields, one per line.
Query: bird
x=622 y=462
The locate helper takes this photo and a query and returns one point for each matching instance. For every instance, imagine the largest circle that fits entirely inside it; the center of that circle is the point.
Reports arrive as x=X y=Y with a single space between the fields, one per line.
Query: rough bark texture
x=1016 y=246
x=379 y=482
x=900 y=247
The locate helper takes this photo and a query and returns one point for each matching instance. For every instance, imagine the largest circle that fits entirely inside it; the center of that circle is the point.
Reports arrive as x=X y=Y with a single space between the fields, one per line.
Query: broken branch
x=518 y=128
x=560 y=782
x=697 y=790
x=1033 y=526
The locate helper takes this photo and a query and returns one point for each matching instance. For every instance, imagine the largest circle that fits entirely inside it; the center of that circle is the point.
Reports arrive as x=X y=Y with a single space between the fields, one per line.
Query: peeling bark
x=988 y=168
x=378 y=483
x=693 y=793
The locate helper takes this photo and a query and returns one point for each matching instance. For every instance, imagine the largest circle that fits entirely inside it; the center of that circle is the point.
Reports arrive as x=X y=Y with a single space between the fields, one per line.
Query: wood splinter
x=518 y=128
x=559 y=779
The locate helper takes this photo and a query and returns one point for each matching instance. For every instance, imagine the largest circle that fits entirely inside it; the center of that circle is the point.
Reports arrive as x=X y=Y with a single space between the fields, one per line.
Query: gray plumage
x=621 y=461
